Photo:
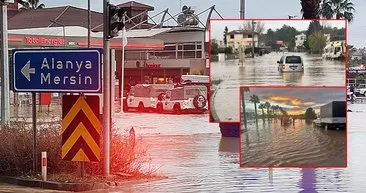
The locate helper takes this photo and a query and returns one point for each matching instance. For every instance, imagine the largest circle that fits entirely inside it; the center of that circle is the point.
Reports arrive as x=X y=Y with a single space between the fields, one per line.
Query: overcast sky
x=296 y=100
x=230 y=9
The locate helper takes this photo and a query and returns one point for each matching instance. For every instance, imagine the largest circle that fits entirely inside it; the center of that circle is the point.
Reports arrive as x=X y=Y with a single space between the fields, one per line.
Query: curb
x=75 y=187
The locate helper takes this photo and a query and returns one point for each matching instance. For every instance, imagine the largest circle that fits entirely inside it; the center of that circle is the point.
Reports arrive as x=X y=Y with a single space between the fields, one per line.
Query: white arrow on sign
x=27 y=70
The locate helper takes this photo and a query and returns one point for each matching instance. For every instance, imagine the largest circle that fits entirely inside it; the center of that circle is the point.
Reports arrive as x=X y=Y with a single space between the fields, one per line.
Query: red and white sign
x=279 y=42
x=152 y=65
x=44 y=41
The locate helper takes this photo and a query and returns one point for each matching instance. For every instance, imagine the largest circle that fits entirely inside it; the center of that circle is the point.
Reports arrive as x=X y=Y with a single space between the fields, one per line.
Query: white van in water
x=146 y=96
x=290 y=63
x=188 y=98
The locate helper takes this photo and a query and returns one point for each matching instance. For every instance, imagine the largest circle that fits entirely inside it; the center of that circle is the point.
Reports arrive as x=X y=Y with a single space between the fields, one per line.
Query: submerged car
x=290 y=63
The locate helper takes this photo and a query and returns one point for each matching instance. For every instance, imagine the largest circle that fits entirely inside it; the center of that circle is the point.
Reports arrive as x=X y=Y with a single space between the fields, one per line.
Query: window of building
x=189 y=46
x=171 y=51
x=250 y=36
x=232 y=36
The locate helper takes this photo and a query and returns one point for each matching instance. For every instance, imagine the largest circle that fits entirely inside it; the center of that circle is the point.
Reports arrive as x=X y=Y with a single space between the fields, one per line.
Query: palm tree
x=262 y=106
x=273 y=107
x=30 y=4
x=283 y=112
x=245 y=89
x=255 y=99
x=310 y=9
x=267 y=105
x=277 y=109
x=339 y=9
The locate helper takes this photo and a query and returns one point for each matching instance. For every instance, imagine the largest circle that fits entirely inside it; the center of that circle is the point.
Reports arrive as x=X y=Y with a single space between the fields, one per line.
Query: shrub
x=16 y=151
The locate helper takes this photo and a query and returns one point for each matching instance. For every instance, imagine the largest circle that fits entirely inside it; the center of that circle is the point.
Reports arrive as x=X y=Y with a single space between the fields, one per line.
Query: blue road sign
x=57 y=70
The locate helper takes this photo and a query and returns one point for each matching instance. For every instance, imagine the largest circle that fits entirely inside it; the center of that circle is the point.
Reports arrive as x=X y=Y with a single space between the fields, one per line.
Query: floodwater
x=300 y=144
x=195 y=158
x=262 y=71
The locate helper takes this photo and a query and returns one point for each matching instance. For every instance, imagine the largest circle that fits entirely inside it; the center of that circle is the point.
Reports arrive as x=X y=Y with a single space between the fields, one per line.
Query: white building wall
x=240 y=40
x=300 y=39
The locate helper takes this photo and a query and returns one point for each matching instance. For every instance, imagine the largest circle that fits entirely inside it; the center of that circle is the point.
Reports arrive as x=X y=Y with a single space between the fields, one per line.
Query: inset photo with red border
x=272 y=52
x=293 y=127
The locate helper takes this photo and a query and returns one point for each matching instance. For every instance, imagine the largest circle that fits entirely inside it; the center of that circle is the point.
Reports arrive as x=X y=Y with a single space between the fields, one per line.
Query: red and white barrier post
x=44 y=166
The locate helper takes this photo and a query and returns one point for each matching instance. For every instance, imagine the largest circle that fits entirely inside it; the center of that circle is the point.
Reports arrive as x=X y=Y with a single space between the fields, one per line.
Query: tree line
x=270 y=112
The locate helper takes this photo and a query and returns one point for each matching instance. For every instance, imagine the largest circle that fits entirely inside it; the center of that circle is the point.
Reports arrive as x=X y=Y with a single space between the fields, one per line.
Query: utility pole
x=106 y=88
x=242 y=9
x=253 y=43
x=89 y=24
x=4 y=62
x=124 y=43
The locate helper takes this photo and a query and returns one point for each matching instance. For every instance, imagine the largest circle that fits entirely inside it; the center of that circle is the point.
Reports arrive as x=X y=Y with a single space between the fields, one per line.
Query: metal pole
x=113 y=75
x=5 y=92
x=242 y=9
x=106 y=90
x=253 y=45
x=34 y=125
x=123 y=65
x=89 y=24
x=64 y=32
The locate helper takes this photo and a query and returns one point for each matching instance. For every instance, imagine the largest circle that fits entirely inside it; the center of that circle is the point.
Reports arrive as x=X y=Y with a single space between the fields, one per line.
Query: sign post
x=55 y=70
x=34 y=125
x=4 y=61
x=106 y=89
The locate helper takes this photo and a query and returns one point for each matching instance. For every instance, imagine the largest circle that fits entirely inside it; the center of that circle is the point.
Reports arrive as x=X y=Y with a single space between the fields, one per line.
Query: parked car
x=146 y=96
x=361 y=90
x=189 y=98
x=290 y=63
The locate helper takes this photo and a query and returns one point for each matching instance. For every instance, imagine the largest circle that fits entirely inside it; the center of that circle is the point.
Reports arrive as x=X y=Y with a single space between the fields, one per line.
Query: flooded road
x=195 y=158
x=262 y=71
x=301 y=144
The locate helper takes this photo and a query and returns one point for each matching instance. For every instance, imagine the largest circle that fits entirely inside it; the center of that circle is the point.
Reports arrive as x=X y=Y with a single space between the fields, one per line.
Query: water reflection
x=264 y=71
x=213 y=167
x=308 y=180
x=229 y=144
x=298 y=144
x=292 y=77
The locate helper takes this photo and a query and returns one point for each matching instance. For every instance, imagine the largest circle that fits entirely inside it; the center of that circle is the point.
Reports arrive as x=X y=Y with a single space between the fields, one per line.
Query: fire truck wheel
x=177 y=109
x=141 y=107
x=159 y=108
x=199 y=101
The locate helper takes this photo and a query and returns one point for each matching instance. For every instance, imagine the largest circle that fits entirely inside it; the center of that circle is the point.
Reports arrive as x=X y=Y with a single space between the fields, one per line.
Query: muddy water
x=263 y=71
x=301 y=144
x=195 y=158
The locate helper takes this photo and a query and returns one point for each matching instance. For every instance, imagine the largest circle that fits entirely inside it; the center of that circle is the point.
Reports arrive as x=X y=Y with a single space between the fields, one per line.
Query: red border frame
x=298 y=87
x=268 y=19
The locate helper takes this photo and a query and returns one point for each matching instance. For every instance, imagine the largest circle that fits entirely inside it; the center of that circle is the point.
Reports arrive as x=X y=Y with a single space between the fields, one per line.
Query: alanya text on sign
x=77 y=66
